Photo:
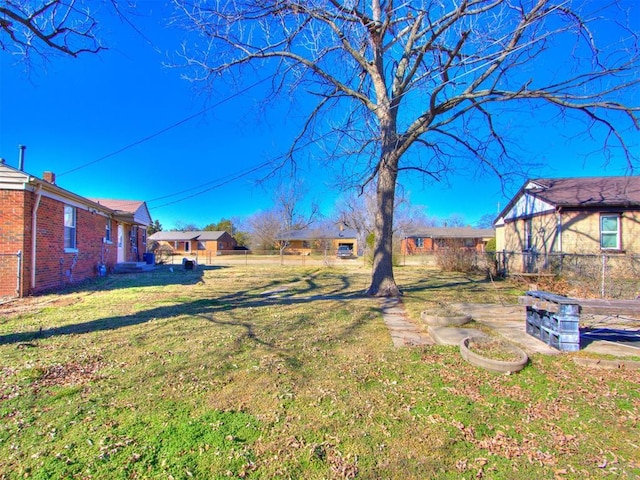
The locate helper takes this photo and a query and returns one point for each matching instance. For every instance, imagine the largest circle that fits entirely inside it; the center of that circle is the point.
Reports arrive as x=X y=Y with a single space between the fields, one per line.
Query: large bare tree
x=426 y=85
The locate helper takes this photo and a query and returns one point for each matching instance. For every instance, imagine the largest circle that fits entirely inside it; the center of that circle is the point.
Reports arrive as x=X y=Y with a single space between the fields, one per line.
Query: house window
x=610 y=232
x=419 y=242
x=186 y=246
x=469 y=242
x=144 y=236
x=69 y=227
x=107 y=231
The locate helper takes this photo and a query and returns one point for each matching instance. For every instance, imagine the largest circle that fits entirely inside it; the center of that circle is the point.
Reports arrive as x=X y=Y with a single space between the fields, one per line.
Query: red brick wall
x=109 y=252
x=54 y=266
x=408 y=246
x=12 y=239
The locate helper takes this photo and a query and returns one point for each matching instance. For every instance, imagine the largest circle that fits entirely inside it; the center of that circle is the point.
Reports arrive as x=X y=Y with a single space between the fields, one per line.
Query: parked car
x=344 y=251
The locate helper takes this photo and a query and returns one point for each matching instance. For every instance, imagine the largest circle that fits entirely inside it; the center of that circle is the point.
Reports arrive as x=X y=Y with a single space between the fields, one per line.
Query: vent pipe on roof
x=22 y=148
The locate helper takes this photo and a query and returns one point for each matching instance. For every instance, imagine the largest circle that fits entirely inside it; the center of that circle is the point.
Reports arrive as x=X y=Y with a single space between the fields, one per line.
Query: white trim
x=528 y=205
x=618 y=231
x=120 y=245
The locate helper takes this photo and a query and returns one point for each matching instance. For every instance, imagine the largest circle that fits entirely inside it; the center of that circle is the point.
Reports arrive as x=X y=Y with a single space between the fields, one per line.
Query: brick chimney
x=49 y=177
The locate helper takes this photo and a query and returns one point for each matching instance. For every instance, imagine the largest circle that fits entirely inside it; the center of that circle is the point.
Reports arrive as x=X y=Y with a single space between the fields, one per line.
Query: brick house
x=432 y=239
x=196 y=242
x=584 y=215
x=73 y=236
x=304 y=242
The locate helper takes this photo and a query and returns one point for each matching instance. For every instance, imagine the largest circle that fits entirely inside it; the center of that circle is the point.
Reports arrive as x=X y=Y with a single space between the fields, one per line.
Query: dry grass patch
x=287 y=372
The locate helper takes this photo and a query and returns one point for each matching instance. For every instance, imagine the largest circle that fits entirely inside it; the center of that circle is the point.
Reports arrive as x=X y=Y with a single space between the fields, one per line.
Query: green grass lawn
x=288 y=372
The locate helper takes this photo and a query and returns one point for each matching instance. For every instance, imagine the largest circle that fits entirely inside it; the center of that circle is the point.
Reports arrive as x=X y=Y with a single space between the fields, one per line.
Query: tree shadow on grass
x=161 y=275
x=439 y=283
x=206 y=308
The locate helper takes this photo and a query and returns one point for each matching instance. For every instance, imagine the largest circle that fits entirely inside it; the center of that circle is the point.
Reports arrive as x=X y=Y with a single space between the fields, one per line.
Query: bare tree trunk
x=383 y=283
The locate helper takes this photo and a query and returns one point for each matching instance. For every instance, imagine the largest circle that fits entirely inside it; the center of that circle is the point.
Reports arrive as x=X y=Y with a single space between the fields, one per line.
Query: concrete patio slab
x=509 y=321
x=453 y=335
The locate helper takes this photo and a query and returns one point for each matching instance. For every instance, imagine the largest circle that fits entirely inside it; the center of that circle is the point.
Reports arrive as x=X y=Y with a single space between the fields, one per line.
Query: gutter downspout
x=34 y=242
x=19 y=279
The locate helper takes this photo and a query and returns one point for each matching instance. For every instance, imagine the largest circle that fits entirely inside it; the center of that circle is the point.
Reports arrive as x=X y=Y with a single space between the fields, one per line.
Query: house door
x=120 y=243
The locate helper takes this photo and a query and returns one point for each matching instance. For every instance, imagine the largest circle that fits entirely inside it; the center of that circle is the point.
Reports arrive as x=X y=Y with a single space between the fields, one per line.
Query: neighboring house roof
x=173 y=236
x=453 y=232
x=14 y=179
x=597 y=191
x=129 y=210
x=546 y=194
x=317 y=234
x=211 y=235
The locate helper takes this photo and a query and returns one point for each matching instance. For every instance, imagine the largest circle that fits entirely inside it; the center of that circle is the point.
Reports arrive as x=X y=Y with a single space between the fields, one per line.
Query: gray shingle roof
x=588 y=191
x=172 y=236
x=210 y=235
x=315 y=234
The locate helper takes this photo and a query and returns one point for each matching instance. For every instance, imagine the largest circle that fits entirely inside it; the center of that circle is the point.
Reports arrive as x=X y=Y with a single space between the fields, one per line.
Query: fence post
x=604 y=267
x=504 y=262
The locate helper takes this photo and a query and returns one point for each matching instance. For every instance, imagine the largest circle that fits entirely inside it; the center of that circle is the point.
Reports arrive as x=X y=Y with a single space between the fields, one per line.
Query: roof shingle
x=587 y=191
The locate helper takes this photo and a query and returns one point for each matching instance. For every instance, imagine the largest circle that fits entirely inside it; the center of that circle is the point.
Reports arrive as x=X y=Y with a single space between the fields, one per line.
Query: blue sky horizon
x=122 y=125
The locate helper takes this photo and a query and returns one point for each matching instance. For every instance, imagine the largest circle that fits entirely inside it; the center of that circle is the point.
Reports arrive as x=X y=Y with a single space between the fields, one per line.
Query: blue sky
x=101 y=123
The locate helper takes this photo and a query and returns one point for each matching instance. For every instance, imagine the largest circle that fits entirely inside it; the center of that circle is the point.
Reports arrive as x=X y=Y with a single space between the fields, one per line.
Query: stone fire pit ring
x=471 y=355
x=445 y=321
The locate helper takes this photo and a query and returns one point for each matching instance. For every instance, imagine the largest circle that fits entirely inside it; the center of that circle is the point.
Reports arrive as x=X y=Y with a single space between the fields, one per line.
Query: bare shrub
x=453 y=256
x=163 y=253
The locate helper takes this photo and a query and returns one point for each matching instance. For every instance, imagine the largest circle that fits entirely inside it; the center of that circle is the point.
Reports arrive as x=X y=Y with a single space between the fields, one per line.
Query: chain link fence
x=585 y=276
x=260 y=257
x=603 y=275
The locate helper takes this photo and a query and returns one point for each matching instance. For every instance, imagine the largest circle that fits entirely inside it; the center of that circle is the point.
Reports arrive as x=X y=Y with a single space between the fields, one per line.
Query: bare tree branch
x=428 y=79
x=40 y=27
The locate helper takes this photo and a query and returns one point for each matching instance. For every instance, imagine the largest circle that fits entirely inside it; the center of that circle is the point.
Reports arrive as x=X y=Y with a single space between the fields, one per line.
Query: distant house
x=304 y=242
x=432 y=239
x=588 y=215
x=50 y=237
x=196 y=242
